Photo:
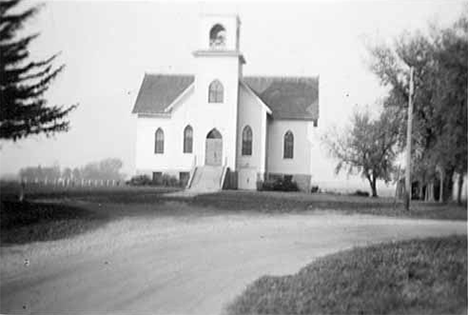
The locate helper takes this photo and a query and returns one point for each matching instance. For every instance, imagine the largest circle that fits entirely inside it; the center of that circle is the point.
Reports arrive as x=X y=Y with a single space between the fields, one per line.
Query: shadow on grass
x=123 y=194
x=25 y=222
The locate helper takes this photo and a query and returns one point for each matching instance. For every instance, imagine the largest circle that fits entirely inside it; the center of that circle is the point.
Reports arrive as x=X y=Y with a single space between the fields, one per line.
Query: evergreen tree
x=23 y=108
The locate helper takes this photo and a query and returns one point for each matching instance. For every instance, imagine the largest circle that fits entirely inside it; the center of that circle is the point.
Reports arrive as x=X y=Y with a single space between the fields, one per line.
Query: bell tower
x=219 y=36
x=218 y=71
x=219 y=33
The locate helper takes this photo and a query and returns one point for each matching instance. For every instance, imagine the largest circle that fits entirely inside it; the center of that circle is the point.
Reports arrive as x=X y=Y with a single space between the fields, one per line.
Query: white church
x=217 y=128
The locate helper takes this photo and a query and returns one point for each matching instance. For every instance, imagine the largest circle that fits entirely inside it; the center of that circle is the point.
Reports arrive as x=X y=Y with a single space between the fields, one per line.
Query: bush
x=260 y=185
x=265 y=185
x=145 y=180
x=140 y=180
x=360 y=193
x=314 y=189
x=279 y=184
x=170 y=181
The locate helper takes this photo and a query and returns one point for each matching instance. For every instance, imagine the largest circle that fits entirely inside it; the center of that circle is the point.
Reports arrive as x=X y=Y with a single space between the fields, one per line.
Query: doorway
x=214 y=148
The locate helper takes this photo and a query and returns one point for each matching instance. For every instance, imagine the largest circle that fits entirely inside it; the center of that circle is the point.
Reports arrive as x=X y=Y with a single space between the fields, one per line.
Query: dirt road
x=182 y=265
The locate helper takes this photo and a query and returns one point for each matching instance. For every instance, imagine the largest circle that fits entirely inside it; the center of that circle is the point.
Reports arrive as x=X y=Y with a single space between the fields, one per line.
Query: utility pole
x=408 y=143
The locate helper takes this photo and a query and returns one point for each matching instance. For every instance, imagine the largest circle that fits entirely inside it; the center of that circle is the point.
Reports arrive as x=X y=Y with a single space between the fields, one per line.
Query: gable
x=244 y=87
x=288 y=97
x=158 y=91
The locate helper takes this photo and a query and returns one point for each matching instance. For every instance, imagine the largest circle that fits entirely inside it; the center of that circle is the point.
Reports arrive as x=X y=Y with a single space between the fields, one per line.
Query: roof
x=158 y=91
x=287 y=97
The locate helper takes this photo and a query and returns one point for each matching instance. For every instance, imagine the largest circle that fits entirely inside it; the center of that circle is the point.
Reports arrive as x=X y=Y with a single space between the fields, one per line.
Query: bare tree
x=368 y=147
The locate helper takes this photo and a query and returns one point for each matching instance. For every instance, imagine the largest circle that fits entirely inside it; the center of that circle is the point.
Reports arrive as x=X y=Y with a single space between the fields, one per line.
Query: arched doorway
x=214 y=148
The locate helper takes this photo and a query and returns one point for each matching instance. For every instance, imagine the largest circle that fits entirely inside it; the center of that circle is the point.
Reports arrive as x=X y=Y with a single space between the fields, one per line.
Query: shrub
x=287 y=184
x=260 y=185
x=314 y=189
x=170 y=181
x=265 y=185
x=280 y=184
x=139 y=180
x=145 y=180
x=360 y=193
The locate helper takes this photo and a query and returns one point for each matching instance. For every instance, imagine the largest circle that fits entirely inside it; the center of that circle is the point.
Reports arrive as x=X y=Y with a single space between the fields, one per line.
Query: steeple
x=219 y=36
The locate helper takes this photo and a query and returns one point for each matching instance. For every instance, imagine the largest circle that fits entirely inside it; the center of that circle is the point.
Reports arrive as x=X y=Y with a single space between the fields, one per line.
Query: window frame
x=247 y=141
x=216 y=92
x=159 y=143
x=188 y=141
x=288 y=145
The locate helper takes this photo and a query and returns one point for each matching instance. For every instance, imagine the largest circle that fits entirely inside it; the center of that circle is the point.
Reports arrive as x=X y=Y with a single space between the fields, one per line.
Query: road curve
x=182 y=265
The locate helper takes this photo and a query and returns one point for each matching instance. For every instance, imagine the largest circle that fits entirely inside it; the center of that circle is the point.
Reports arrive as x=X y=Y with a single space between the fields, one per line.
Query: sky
x=107 y=47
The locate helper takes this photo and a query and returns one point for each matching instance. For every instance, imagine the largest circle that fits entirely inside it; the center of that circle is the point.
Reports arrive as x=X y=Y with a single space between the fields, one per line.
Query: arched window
x=216 y=92
x=188 y=139
x=217 y=36
x=159 y=141
x=247 y=141
x=288 y=145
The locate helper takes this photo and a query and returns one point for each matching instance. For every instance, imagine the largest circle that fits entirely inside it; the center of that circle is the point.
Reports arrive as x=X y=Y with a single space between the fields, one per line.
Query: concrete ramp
x=207 y=179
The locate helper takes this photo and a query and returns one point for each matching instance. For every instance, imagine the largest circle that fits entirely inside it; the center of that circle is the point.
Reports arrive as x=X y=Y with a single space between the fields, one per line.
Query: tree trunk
x=460 y=189
x=430 y=192
x=441 y=189
x=373 y=184
x=21 y=193
x=421 y=189
x=426 y=195
x=448 y=185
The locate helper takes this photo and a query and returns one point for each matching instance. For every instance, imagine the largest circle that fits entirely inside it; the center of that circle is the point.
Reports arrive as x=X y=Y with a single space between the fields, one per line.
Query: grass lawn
x=239 y=201
x=278 y=202
x=25 y=222
x=54 y=212
x=115 y=194
x=411 y=277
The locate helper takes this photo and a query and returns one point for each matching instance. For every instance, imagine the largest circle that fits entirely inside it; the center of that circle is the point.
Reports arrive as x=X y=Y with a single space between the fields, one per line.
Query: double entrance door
x=214 y=148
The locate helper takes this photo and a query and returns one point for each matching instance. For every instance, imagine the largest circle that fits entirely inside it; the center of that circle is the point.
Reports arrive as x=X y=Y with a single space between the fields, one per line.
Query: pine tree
x=23 y=108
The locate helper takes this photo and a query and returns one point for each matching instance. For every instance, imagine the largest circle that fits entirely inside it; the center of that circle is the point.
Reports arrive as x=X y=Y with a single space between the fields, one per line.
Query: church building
x=217 y=128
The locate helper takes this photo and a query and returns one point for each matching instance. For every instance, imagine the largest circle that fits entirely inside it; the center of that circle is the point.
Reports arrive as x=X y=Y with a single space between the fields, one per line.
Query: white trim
x=267 y=109
x=153 y=115
x=219 y=53
x=181 y=95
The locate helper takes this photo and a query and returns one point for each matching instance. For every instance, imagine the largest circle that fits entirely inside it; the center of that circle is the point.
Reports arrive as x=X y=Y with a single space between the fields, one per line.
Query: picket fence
x=67 y=182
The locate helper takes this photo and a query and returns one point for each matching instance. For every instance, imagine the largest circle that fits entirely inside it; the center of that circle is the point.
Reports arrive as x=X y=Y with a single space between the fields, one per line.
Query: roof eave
x=294 y=118
x=134 y=111
x=189 y=89
x=153 y=115
x=267 y=108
